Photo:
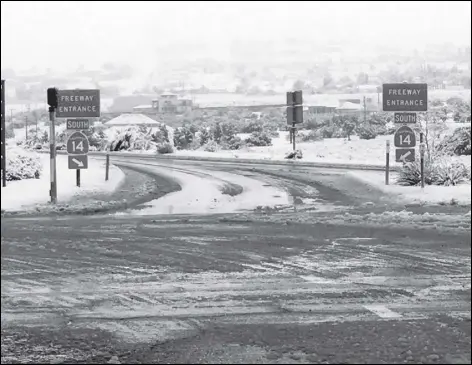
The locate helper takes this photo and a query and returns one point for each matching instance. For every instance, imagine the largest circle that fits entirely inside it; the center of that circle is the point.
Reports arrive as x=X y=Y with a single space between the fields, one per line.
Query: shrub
x=253 y=126
x=442 y=172
x=9 y=131
x=233 y=143
x=204 y=136
x=131 y=139
x=164 y=148
x=183 y=138
x=210 y=146
x=312 y=136
x=20 y=166
x=259 y=139
x=366 y=131
x=410 y=174
x=161 y=136
x=329 y=131
x=458 y=143
x=447 y=173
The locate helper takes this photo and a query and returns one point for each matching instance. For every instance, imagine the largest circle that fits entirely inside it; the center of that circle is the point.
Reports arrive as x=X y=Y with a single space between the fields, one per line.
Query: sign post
x=422 y=151
x=3 y=138
x=387 y=163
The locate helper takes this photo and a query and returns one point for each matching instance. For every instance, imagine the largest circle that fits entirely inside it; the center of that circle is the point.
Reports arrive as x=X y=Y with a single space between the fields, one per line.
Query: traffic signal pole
x=293 y=136
x=52 y=154
x=52 y=99
x=294 y=112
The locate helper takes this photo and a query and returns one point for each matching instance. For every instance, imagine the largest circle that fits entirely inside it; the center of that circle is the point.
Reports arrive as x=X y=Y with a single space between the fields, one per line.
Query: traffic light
x=52 y=97
x=294 y=107
x=298 y=114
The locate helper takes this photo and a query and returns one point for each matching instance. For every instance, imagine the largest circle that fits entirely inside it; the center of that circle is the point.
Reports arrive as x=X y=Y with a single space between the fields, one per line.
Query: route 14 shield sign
x=77 y=144
x=405 y=137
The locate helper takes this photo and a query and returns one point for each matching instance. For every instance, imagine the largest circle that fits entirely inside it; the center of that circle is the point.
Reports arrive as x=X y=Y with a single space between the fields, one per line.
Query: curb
x=241 y=160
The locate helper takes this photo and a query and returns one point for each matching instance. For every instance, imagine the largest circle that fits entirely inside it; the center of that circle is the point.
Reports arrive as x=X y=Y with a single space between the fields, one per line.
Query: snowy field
x=332 y=150
x=25 y=194
x=431 y=194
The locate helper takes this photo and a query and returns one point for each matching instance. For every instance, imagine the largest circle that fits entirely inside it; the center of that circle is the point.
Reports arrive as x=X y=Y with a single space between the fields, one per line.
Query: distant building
x=170 y=103
x=143 y=109
x=368 y=89
x=131 y=119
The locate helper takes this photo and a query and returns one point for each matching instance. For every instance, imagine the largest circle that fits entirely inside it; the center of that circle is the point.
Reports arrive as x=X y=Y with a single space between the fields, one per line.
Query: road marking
x=382 y=311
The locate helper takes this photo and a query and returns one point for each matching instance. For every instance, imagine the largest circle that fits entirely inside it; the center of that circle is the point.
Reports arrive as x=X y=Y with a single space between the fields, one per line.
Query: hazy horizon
x=62 y=35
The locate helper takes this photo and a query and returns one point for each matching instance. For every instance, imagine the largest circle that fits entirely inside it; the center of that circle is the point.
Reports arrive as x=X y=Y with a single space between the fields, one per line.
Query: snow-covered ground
x=332 y=150
x=26 y=194
x=459 y=194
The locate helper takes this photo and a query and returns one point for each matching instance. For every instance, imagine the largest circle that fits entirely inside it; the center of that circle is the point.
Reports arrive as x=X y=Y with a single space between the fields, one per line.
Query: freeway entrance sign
x=78 y=104
x=78 y=162
x=405 y=137
x=405 y=97
x=77 y=124
x=78 y=144
x=405 y=155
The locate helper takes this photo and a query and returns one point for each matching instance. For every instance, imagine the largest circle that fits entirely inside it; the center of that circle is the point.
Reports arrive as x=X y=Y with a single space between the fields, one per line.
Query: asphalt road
x=206 y=289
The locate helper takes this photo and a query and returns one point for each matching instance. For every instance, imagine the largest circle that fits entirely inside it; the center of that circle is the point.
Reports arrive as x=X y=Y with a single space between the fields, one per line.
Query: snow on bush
x=232 y=143
x=210 y=146
x=313 y=135
x=183 y=138
x=164 y=148
x=458 y=143
x=366 y=131
x=21 y=165
x=259 y=139
x=447 y=173
x=133 y=138
x=294 y=154
x=441 y=171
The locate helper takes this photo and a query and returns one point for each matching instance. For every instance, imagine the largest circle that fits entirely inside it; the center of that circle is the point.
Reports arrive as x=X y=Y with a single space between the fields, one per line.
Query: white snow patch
x=382 y=311
x=202 y=195
x=24 y=194
x=415 y=194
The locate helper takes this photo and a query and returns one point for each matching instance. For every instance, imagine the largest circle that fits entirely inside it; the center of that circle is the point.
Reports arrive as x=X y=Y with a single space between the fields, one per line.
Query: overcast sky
x=66 y=33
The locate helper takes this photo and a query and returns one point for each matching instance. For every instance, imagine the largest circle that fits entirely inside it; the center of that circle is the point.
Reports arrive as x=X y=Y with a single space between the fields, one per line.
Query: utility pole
x=26 y=127
x=11 y=115
x=365 y=111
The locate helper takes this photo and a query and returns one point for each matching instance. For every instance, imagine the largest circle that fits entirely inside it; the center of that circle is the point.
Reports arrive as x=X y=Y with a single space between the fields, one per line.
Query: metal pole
x=52 y=153
x=293 y=136
x=387 y=164
x=107 y=168
x=3 y=136
x=77 y=177
x=422 y=160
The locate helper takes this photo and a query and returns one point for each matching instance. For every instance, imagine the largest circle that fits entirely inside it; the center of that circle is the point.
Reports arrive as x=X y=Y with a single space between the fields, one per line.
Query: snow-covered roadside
x=31 y=193
x=459 y=194
x=332 y=150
